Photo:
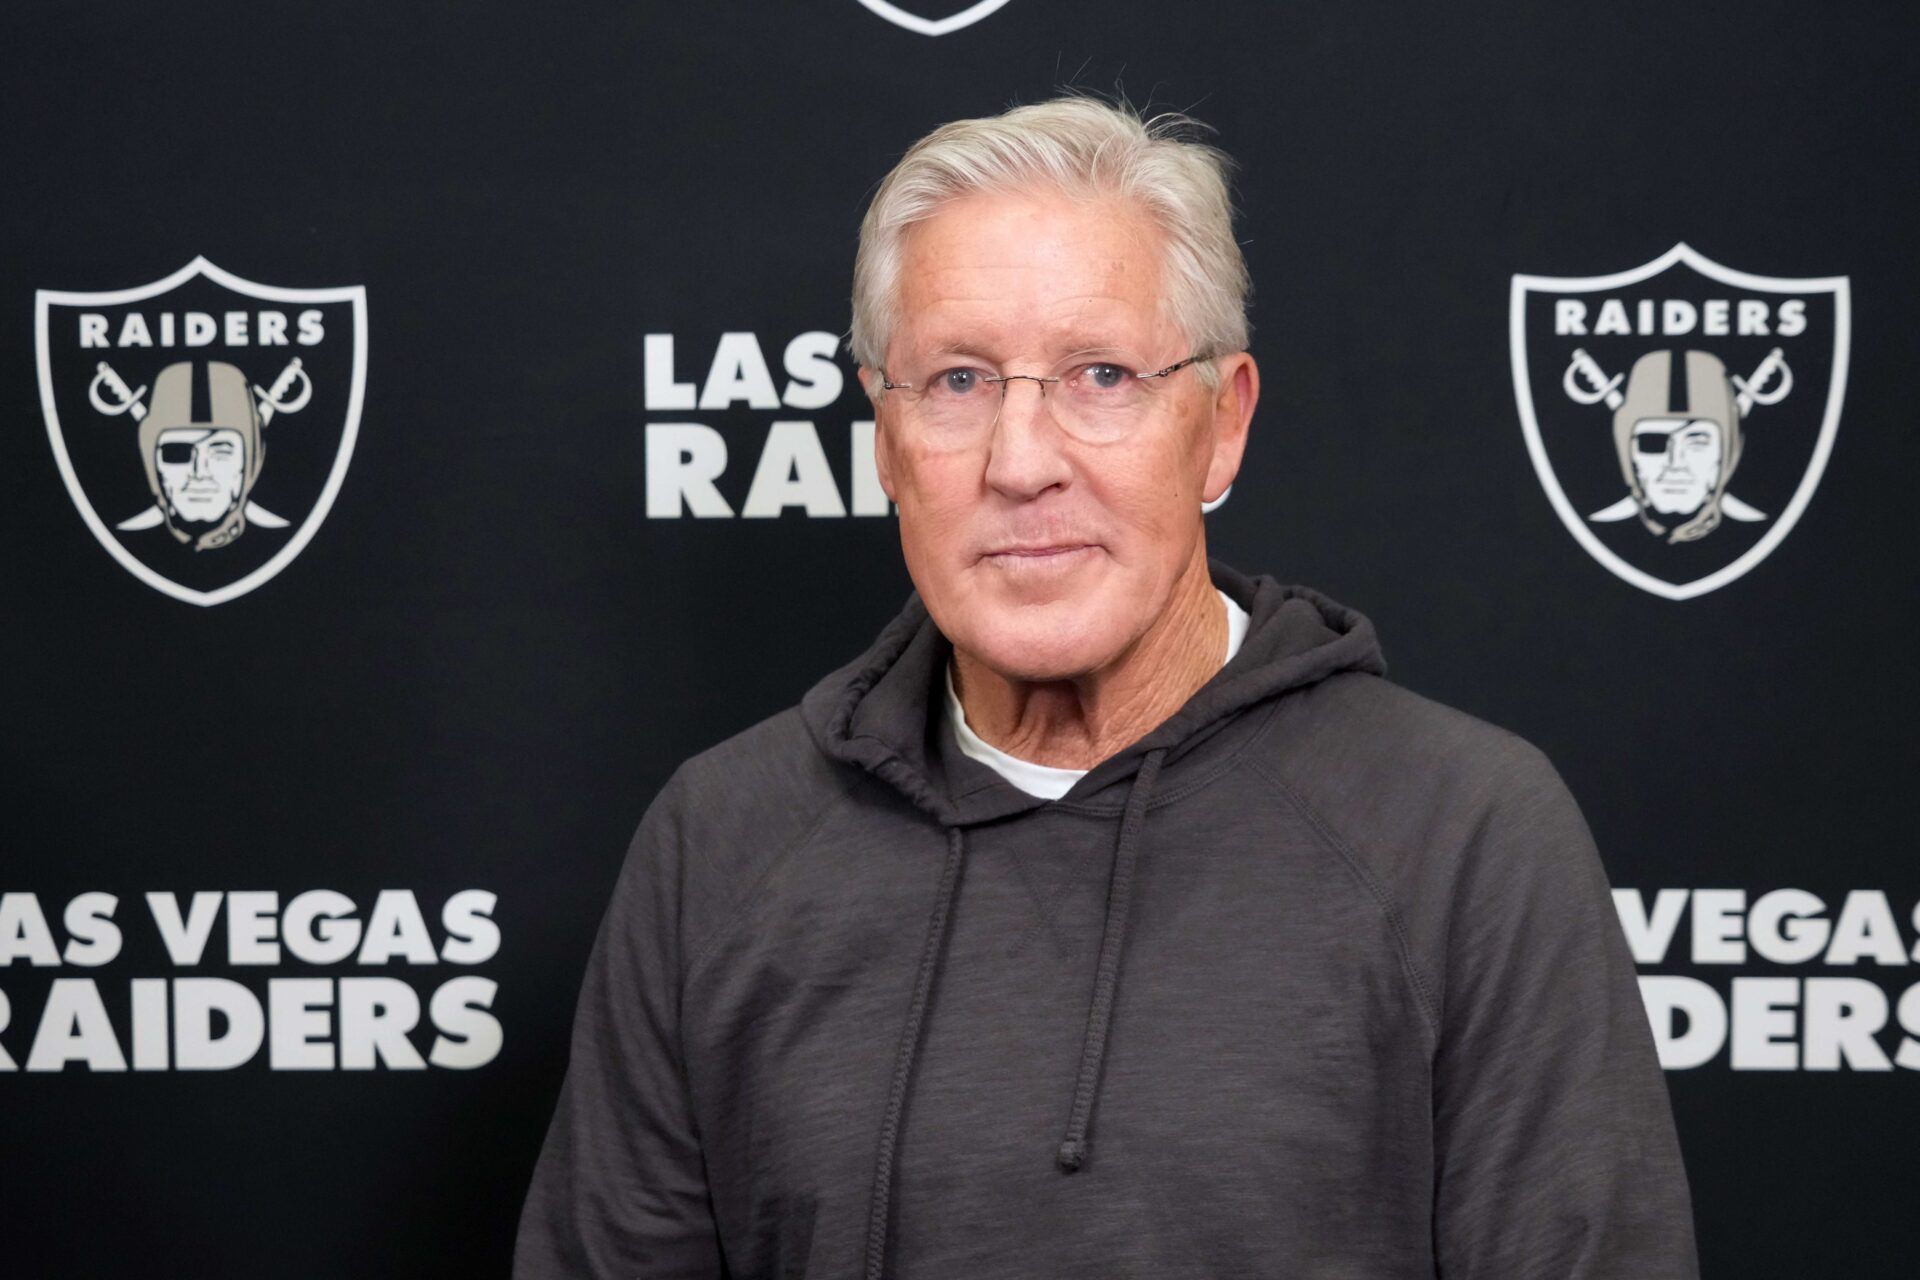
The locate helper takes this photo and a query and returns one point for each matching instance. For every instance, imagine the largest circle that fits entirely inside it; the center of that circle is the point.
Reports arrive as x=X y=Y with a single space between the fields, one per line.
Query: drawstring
x=1074 y=1146
x=877 y=1202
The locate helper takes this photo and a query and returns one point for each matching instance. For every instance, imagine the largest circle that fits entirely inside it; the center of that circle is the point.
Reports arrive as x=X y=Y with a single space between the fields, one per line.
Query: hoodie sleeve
x=1554 y=1143
x=620 y=1187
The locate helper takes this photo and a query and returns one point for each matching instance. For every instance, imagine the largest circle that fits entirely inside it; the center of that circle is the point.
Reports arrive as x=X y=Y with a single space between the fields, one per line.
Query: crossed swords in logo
x=1752 y=390
x=281 y=398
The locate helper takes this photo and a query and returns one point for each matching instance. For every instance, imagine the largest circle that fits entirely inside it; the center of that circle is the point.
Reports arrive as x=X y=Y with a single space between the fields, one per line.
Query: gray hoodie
x=1317 y=979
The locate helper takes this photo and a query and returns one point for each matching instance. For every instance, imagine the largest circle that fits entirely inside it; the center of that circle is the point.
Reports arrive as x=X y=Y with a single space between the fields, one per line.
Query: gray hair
x=1089 y=149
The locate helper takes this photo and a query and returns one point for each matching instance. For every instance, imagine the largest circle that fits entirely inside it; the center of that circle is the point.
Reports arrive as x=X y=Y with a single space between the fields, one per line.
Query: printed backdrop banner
x=430 y=426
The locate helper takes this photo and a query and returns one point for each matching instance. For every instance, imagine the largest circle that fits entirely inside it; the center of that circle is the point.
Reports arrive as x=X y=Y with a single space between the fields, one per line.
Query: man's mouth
x=1039 y=555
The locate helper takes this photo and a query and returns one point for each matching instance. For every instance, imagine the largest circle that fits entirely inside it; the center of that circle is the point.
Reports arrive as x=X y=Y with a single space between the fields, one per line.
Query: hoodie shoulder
x=707 y=842
x=725 y=816
x=759 y=789
x=1442 y=812
x=1357 y=734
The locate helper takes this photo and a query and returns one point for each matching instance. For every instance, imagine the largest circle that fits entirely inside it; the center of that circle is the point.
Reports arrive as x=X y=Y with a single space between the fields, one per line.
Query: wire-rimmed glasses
x=1097 y=400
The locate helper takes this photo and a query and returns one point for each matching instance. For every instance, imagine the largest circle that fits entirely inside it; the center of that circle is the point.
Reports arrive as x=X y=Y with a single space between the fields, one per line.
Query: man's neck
x=1077 y=723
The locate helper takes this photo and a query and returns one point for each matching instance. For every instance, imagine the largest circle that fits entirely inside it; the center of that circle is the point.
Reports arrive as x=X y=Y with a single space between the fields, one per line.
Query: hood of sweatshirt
x=881 y=713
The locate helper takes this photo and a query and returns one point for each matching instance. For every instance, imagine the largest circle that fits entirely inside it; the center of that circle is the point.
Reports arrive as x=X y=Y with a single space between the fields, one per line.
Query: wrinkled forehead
x=1031 y=277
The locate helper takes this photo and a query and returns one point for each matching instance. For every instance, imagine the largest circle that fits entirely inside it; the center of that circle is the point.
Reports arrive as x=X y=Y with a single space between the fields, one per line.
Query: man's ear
x=1232 y=413
x=882 y=440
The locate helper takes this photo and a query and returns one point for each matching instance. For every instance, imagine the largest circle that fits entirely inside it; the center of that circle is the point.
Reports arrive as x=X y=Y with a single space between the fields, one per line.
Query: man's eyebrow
x=959 y=349
x=1095 y=349
x=1078 y=345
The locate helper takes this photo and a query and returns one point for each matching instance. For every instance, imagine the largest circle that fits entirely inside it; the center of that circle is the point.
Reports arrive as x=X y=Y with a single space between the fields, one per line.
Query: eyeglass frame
x=887 y=384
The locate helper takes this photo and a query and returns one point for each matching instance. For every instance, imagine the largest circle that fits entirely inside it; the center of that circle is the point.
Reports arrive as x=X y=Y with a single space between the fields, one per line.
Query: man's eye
x=1103 y=376
x=959 y=381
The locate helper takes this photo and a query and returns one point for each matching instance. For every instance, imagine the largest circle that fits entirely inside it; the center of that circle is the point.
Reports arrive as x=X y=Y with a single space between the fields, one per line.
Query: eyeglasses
x=1098 y=402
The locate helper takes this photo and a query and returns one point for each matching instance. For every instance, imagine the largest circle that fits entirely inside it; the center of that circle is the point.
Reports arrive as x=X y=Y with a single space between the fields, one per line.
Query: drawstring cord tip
x=1072 y=1154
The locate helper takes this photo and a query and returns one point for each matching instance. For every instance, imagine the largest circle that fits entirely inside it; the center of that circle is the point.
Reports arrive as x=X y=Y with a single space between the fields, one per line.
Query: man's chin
x=1040 y=650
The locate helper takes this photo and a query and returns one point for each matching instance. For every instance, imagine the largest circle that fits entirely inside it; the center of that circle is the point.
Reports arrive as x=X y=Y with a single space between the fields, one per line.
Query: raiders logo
x=202 y=423
x=934 y=26
x=1680 y=414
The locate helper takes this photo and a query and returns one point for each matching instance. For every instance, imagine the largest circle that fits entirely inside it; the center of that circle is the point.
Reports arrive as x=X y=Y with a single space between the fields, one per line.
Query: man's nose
x=1024 y=455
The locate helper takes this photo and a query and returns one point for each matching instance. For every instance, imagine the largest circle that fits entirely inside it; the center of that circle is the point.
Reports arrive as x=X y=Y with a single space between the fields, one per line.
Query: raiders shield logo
x=203 y=423
x=1679 y=414
x=934 y=26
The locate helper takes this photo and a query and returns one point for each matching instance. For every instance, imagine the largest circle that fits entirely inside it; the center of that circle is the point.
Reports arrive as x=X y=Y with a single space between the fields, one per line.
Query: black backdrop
x=489 y=657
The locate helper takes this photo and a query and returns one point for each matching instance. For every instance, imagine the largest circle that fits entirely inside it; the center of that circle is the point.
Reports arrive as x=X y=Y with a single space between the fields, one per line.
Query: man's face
x=1039 y=553
x=1678 y=461
x=201 y=471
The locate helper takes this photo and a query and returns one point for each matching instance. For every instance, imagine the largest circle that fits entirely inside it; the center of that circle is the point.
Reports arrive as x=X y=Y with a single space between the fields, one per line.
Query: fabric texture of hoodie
x=1317 y=979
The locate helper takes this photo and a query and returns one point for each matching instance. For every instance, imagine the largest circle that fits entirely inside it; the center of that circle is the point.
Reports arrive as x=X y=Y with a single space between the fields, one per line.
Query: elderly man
x=1111 y=915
